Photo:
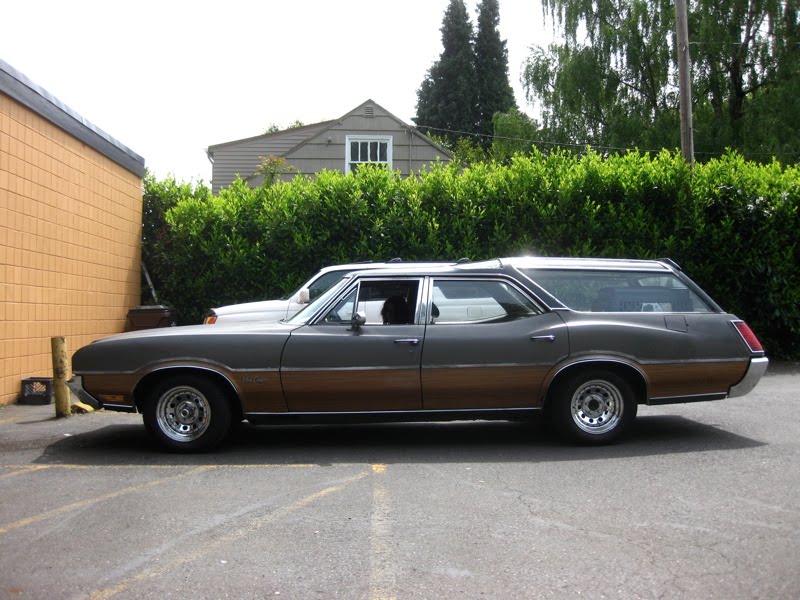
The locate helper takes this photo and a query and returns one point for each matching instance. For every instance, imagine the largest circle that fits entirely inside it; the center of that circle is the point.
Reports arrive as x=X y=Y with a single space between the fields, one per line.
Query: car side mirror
x=303 y=296
x=359 y=319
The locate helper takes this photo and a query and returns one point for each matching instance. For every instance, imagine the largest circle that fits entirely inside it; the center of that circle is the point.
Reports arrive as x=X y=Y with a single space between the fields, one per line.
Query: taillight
x=748 y=336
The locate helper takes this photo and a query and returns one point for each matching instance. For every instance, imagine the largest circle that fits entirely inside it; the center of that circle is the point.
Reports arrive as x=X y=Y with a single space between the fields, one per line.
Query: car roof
x=616 y=264
x=368 y=265
x=505 y=265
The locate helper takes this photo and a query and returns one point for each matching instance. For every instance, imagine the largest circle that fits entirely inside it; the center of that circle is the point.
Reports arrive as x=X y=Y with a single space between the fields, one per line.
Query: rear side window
x=478 y=301
x=618 y=291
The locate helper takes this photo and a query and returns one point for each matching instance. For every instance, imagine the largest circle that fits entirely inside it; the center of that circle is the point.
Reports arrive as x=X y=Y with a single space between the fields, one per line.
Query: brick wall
x=70 y=244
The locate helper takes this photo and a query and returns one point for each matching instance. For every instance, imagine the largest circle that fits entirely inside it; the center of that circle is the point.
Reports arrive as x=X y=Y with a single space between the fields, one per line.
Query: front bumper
x=76 y=385
x=756 y=370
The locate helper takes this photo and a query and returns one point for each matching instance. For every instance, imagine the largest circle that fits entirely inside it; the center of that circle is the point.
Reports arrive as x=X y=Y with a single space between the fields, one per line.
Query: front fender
x=248 y=358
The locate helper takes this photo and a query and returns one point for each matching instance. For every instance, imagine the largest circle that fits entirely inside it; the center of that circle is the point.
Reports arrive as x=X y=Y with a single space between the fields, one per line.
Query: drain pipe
x=149 y=282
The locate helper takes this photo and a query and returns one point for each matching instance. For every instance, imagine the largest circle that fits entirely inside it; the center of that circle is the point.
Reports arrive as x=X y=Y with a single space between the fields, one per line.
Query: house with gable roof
x=367 y=134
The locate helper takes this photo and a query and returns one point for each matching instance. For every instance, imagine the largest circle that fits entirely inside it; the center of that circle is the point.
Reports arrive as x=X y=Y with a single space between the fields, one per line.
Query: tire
x=593 y=407
x=187 y=413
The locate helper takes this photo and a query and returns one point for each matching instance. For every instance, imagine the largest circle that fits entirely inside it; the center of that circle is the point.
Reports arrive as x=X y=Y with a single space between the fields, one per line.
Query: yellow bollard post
x=61 y=373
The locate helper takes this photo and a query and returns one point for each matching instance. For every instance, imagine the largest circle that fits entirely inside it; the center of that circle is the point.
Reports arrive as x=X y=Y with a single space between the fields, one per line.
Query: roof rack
x=671 y=263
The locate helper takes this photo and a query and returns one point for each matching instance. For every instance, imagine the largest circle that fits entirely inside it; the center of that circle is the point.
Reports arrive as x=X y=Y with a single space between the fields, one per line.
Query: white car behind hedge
x=275 y=310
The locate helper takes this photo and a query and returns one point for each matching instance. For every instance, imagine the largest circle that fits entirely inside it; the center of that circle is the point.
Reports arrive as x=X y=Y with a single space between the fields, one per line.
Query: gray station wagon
x=585 y=340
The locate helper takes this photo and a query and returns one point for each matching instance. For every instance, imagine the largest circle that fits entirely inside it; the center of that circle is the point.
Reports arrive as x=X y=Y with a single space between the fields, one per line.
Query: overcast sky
x=169 y=78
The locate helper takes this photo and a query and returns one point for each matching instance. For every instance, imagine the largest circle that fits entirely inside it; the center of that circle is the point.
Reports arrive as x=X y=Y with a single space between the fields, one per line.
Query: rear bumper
x=756 y=370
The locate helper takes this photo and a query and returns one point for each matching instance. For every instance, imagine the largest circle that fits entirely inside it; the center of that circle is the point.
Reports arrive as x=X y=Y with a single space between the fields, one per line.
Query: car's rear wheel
x=593 y=407
x=187 y=413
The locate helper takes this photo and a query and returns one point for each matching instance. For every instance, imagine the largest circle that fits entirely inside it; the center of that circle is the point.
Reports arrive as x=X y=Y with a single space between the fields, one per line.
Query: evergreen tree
x=446 y=99
x=494 y=93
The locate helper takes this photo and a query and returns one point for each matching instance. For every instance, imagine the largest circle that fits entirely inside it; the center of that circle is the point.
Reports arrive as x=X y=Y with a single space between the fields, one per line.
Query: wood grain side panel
x=260 y=391
x=257 y=391
x=693 y=379
x=356 y=389
x=482 y=387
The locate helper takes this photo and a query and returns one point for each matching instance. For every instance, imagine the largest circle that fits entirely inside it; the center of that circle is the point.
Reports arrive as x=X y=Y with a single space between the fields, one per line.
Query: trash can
x=149 y=317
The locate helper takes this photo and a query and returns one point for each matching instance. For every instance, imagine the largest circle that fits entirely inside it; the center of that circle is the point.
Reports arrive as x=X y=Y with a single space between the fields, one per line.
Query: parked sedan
x=587 y=340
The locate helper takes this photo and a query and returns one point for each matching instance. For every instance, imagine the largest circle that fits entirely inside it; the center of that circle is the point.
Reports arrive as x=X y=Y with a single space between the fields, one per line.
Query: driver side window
x=382 y=301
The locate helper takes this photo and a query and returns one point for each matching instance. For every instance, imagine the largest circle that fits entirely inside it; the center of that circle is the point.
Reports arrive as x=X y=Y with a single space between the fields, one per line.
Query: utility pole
x=684 y=81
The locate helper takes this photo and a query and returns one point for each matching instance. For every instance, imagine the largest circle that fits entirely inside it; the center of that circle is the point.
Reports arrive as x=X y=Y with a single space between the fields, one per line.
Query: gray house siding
x=242 y=157
x=323 y=146
x=328 y=149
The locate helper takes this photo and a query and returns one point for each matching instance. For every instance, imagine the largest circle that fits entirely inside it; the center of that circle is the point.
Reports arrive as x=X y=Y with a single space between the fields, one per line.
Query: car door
x=329 y=365
x=487 y=345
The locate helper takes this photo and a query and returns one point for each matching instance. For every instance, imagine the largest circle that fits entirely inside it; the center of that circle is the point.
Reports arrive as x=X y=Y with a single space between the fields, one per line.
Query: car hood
x=238 y=346
x=253 y=328
x=252 y=307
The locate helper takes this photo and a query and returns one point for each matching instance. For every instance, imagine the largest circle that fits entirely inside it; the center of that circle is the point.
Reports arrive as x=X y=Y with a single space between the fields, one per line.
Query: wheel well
x=630 y=374
x=151 y=380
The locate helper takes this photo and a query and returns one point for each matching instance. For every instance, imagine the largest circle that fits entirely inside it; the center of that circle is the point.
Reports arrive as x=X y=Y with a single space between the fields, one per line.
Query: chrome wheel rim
x=596 y=407
x=183 y=414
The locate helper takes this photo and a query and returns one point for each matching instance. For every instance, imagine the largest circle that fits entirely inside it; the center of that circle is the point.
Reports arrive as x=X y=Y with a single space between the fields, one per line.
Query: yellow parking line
x=89 y=501
x=382 y=576
x=238 y=534
x=21 y=470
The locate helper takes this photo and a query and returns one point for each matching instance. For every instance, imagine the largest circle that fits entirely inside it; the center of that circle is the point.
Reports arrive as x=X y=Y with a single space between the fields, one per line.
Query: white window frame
x=368 y=138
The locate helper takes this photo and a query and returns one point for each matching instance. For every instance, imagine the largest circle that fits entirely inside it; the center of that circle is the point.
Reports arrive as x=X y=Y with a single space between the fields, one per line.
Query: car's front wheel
x=593 y=407
x=187 y=413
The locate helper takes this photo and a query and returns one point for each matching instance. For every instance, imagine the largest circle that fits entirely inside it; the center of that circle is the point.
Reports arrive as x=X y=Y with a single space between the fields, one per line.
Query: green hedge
x=732 y=225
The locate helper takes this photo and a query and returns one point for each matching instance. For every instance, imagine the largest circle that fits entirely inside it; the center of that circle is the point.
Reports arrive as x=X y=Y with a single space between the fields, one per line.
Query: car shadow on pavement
x=463 y=441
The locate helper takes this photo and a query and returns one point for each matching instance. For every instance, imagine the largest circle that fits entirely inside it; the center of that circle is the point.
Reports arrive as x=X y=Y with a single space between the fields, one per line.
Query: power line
x=531 y=141
x=590 y=145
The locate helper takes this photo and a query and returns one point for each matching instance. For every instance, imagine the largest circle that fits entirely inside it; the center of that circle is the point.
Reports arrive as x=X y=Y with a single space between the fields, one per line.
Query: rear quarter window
x=618 y=291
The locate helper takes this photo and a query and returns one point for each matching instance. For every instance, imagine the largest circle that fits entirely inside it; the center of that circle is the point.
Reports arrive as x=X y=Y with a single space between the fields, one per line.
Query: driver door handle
x=412 y=341
x=543 y=338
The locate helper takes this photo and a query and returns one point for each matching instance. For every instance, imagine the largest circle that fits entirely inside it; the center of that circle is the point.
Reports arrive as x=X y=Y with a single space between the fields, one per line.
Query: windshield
x=310 y=309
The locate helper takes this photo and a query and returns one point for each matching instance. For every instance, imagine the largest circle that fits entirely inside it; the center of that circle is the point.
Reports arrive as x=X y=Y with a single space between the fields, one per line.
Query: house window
x=367 y=149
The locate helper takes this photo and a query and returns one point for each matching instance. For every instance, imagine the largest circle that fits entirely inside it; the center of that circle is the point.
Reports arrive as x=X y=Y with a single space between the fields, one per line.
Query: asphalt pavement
x=701 y=501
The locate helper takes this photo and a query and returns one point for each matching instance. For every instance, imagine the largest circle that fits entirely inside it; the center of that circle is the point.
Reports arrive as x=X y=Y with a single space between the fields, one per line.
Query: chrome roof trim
x=551 y=262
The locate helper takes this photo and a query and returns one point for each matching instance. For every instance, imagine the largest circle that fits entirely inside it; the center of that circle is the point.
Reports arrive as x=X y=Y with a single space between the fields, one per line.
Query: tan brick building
x=70 y=230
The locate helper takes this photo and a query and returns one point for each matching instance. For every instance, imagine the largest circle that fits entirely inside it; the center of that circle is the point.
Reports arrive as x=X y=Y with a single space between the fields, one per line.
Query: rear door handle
x=412 y=341
x=543 y=338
